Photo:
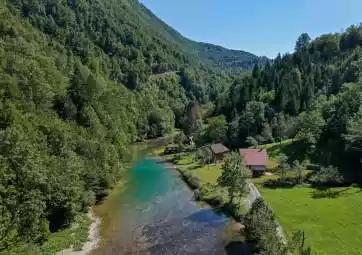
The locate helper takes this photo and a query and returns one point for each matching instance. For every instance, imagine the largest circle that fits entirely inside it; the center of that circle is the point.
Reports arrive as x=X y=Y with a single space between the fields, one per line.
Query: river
x=154 y=213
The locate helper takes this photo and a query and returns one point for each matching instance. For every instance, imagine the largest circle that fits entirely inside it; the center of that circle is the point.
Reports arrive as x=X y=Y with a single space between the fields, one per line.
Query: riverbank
x=156 y=213
x=202 y=179
x=86 y=235
x=93 y=238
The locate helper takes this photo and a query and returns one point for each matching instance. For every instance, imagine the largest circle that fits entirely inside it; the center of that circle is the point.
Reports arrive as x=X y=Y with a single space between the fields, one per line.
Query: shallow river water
x=154 y=213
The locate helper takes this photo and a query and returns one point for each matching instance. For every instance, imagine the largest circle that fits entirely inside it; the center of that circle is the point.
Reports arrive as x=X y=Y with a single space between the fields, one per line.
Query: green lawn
x=208 y=173
x=186 y=159
x=269 y=145
x=332 y=225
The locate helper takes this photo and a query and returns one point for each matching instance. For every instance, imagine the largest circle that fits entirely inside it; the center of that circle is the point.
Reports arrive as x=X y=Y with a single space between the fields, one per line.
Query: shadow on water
x=237 y=248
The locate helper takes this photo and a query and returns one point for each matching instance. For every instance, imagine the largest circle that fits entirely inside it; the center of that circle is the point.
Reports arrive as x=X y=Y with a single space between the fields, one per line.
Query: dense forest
x=81 y=80
x=313 y=95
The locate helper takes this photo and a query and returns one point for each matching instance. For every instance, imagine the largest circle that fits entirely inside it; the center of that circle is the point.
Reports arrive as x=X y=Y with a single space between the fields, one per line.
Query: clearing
x=330 y=218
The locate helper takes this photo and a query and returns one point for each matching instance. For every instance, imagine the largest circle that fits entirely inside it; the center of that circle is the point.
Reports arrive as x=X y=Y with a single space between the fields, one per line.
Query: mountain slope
x=227 y=58
x=207 y=52
x=75 y=90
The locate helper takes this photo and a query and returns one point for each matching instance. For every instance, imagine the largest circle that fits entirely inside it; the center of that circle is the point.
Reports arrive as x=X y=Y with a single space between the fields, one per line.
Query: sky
x=262 y=27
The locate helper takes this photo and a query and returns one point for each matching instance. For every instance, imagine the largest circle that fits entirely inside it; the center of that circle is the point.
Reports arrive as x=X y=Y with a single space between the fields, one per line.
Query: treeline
x=313 y=95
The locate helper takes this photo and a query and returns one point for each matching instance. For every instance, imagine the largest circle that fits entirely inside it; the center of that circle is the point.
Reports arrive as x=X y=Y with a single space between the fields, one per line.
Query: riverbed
x=153 y=212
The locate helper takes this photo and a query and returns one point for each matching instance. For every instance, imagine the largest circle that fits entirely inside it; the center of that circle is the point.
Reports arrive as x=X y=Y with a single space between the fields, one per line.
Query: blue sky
x=263 y=27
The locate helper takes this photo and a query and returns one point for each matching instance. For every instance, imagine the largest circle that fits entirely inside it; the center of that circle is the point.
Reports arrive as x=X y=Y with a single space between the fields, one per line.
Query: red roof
x=255 y=157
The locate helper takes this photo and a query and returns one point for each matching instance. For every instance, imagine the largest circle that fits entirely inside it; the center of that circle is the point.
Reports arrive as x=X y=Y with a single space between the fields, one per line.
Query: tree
x=217 y=129
x=283 y=166
x=299 y=169
x=310 y=126
x=252 y=141
x=302 y=42
x=298 y=244
x=179 y=139
x=243 y=177
x=234 y=175
x=261 y=230
x=204 y=155
x=192 y=119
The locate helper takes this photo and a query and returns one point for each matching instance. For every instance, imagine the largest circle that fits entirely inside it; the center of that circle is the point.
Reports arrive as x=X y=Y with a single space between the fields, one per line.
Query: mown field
x=331 y=219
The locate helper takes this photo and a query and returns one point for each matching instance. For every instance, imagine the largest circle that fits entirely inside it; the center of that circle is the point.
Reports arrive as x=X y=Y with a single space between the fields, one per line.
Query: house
x=219 y=151
x=255 y=159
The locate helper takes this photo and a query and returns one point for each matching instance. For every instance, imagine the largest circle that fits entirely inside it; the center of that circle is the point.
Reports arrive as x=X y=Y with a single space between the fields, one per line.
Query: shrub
x=329 y=176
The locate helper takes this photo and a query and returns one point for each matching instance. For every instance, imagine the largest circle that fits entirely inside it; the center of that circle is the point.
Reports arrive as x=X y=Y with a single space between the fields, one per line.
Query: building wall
x=221 y=156
x=258 y=168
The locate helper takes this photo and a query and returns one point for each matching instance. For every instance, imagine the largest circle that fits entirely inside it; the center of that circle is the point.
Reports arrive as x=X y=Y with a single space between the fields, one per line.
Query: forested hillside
x=225 y=58
x=77 y=89
x=206 y=52
x=81 y=80
x=313 y=95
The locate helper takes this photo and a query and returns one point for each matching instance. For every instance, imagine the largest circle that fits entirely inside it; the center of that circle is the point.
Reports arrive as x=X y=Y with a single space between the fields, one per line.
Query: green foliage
x=298 y=243
x=310 y=126
x=66 y=119
x=204 y=155
x=284 y=166
x=234 y=175
x=327 y=176
x=299 y=168
x=74 y=236
x=261 y=230
x=313 y=94
x=252 y=141
x=216 y=130
x=229 y=58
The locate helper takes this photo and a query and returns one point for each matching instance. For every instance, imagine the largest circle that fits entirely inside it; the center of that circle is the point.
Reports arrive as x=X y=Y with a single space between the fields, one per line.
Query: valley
x=84 y=85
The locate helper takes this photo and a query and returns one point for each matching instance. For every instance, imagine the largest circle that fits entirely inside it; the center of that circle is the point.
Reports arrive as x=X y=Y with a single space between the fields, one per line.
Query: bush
x=261 y=230
x=172 y=149
x=329 y=176
x=192 y=181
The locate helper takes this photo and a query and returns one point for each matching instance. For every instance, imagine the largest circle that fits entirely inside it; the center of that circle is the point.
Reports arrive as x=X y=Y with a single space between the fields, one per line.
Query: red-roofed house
x=255 y=159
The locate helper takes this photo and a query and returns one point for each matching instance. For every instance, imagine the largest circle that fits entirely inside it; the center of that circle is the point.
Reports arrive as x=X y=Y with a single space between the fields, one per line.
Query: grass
x=74 y=236
x=207 y=176
x=158 y=151
x=260 y=180
x=186 y=159
x=277 y=144
x=331 y=225
x=208 y=173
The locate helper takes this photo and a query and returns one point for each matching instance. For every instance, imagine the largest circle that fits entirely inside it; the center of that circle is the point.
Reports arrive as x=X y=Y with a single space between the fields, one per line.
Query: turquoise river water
x=157 y=215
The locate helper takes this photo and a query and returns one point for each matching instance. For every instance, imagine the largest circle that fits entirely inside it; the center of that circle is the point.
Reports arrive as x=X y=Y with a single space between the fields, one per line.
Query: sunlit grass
x=264 y=178
x=269 y=145
x=208 y=173
x=158 y=151
x=186 y=159
x=331 y=225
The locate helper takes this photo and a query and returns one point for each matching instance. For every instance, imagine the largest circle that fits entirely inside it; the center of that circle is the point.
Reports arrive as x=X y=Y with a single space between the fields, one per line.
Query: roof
x=255 y=157
x=218 y=148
